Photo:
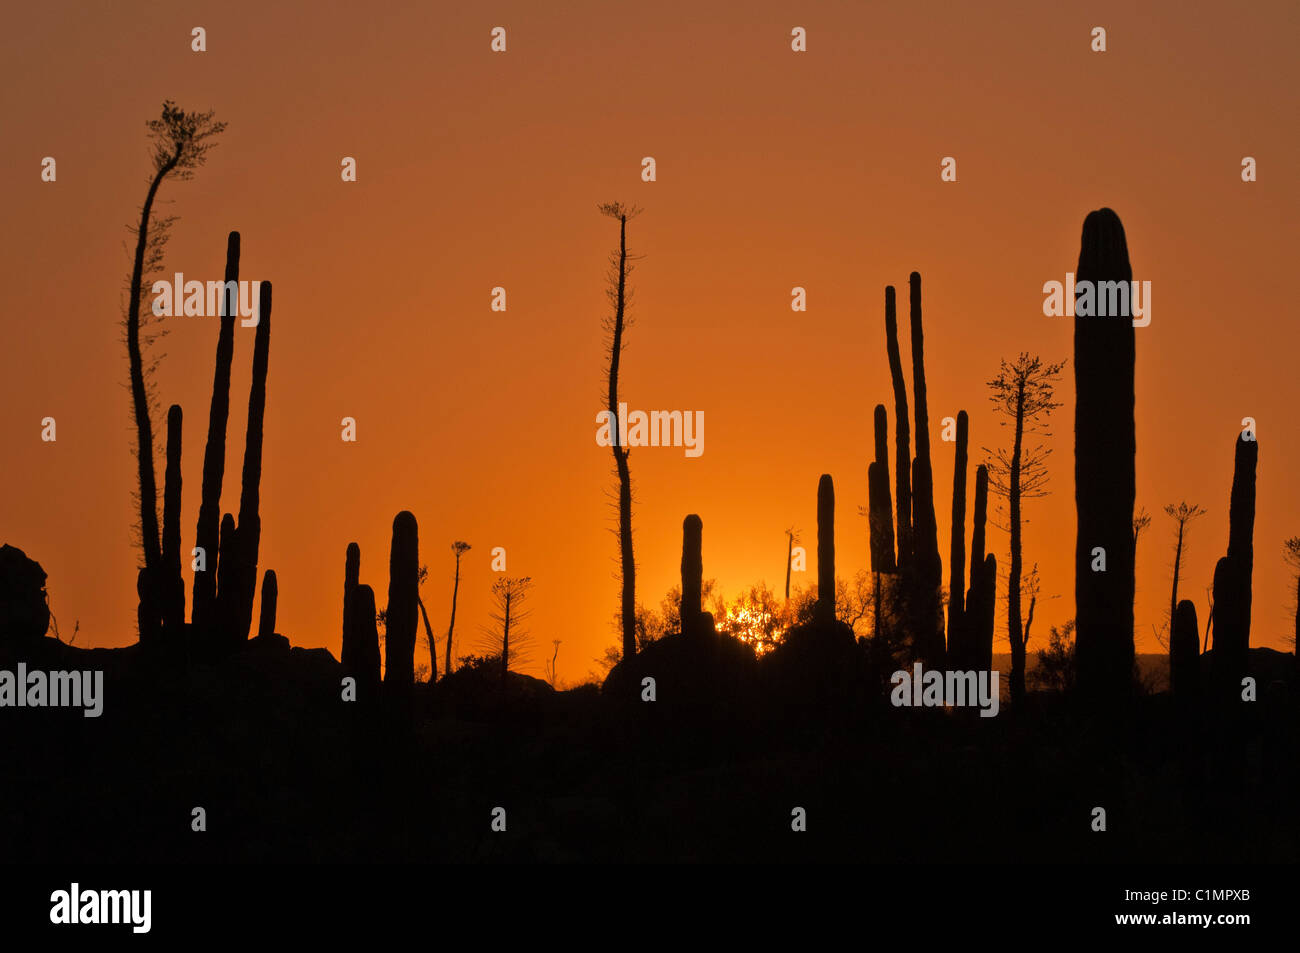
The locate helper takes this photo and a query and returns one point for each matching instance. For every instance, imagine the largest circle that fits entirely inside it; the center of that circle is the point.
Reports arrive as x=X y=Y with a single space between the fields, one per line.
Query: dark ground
x=286 y=771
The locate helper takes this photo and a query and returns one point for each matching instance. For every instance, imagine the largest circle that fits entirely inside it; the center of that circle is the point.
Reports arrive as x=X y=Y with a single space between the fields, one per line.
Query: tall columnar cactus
x=825 y=608
x=248 y=534
x=902 y=435
x=976 y=643
x=957 y=568
x=692 y=574
x=270 y=596
x=207 y=535
x=351 y=578
x=403 y=598
x=361 y=649
x=172 y=584
x=926 y=602
x=227 y=579
x=1232 y=575
x=1185 y=652
x=982 y=644
x=880 y=514
x=1105 y=448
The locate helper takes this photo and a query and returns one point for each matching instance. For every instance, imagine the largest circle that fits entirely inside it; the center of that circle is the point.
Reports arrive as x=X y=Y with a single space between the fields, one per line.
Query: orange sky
x=775 y=169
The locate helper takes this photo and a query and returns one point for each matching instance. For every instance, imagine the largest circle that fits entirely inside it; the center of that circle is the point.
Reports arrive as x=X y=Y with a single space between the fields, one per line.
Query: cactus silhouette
x=880 y=514
x=1232 y=575
x=270 y=595
x=361 y=650
x=957 y=569
x=403 y=596
x=925 y=600
x=902 y=438
x=1105 y=448
x=692 y=574
x=976 y=643
x=248 y=533
x=172 y=585
x=1185 y=652
x=825 y=609
x=226 y=578
x=351 y=578
x=207 y=534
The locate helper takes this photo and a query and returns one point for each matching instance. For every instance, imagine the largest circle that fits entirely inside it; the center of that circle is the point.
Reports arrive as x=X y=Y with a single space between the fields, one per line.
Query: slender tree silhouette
x=1023 y=392
x=616 y=325
x=505 y=639
x=180 y=144
x=1182 y=514
x=460 y=549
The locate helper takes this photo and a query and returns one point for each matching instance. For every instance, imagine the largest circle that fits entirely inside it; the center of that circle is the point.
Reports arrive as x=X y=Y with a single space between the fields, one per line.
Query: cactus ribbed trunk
x=403 y=597
x=928 y=567
x=1105 y=449
x=692 y=574
x=361 y=651
x=902 y=436
x=172 y=586
x=957 y=567
x=880 y=523
x=1232 y=575
x=207 y=535
x=825 y=608
x=270 y=595
x=1184 y=652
